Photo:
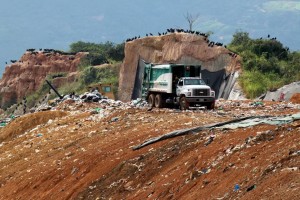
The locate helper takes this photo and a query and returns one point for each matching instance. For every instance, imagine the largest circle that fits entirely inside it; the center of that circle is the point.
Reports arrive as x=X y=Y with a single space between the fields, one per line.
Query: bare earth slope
x=83 y=154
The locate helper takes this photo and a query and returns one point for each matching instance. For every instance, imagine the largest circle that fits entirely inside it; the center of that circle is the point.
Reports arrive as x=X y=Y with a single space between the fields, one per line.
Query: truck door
x=179 y=86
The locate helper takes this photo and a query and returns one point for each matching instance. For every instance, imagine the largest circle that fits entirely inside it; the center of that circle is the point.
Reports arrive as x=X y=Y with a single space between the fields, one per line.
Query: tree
x=240 y=38
x=191 y=19
x=99 y=53
x=266 y=63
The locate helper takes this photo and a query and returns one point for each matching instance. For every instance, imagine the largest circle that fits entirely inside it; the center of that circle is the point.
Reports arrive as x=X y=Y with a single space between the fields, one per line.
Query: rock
x=27 y=75
x=285 y=93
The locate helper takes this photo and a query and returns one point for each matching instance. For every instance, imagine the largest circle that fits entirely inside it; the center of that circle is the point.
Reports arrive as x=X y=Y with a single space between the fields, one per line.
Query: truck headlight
x=212 y=93
x=188 y=94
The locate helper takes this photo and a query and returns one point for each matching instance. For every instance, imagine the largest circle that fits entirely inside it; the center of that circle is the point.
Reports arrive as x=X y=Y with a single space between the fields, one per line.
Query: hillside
x=84 y=151
x=26 y=75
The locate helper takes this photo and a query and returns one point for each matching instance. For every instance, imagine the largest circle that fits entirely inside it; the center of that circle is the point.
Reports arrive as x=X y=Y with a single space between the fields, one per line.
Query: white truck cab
x=191 y=91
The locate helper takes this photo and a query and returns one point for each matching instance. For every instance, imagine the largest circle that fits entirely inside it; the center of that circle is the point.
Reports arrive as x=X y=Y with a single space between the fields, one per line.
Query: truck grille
x=201 y=92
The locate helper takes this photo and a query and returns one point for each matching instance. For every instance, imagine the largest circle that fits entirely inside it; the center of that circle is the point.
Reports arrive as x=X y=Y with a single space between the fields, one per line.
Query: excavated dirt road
x=84 y=151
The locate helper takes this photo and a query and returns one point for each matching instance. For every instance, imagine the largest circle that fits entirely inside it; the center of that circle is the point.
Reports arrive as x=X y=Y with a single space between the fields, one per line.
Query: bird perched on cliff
x=211 y=44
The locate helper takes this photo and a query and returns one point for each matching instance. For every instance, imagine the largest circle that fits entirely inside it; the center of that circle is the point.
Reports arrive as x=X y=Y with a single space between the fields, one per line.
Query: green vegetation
x=33 y=98
x=105 y=74
x=99 y=53
x=94 y=74
x=267 y=64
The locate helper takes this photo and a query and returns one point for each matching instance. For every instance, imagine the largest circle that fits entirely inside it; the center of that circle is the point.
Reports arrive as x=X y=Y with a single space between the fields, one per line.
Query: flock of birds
x=173 y=30
x=170 y=30
x=48 y=52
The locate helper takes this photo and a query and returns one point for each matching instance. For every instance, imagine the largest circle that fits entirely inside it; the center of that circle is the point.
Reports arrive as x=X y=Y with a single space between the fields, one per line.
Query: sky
x=56 y=24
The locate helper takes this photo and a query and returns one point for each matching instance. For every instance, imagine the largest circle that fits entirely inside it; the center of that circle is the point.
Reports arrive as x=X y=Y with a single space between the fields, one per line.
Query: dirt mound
x=27 y=122
x=87 y=154
x=295 y=98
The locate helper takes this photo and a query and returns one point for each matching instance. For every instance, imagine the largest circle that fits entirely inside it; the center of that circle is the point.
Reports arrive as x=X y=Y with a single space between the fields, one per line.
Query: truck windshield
x=194 y=82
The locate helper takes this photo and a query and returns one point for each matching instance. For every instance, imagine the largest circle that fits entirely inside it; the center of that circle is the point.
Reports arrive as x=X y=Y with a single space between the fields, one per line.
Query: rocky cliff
x=181 y=48
x=27 y=74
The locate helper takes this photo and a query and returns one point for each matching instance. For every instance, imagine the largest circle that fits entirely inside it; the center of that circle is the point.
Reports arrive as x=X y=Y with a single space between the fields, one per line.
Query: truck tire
x=211 y=106
x=184 y=105
x=158 y=101
x=151 y=100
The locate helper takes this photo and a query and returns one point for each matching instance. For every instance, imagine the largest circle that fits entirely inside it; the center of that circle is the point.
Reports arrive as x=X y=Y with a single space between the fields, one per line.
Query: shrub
x=266 y=64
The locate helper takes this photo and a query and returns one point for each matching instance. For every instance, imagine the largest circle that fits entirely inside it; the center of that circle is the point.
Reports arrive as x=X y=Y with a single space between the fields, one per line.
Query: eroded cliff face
x=26 y=75
x=181 y=48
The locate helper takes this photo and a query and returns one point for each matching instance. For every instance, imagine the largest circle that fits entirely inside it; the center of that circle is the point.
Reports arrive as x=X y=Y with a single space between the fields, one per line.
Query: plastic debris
x=210 y=139
x=114 y=119
x=2 y=124
x=236 y=187
x=251 y=188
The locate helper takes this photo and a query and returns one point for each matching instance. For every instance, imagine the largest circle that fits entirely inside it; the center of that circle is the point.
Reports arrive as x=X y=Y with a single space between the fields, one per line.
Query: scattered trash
x=2 y=124
x=114 y=119
x=39 y=135
x=281 y=97
x=251 y=188
x=236 y=187
x=210 y=139
x=94 y=96
x=290 y=169
x=262 y=120
x=97 y=109
x=257 y=103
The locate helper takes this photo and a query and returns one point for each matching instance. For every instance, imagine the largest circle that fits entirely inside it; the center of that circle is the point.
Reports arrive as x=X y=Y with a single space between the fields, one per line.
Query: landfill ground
x=84 y=151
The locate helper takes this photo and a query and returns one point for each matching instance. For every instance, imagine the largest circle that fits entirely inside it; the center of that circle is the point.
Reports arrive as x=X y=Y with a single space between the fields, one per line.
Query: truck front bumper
x=200 y=99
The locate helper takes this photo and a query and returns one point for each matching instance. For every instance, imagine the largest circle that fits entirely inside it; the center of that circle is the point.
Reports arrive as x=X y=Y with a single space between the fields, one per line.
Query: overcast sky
x=58 y=23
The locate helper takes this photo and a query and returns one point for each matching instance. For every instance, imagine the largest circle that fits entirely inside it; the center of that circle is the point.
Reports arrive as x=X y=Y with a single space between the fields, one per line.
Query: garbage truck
x=176 y=84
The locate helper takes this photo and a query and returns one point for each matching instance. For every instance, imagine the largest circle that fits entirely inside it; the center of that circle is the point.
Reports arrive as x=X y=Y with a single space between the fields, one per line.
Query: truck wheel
x=183 y=103
x=158 y=101
x=211 y=106
x=151 y=100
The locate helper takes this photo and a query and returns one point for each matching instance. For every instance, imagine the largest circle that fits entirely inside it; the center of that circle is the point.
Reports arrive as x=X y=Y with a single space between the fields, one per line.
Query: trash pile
x=72 y=101
x=237 y=108
x=84 y=146
x=5 y=121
